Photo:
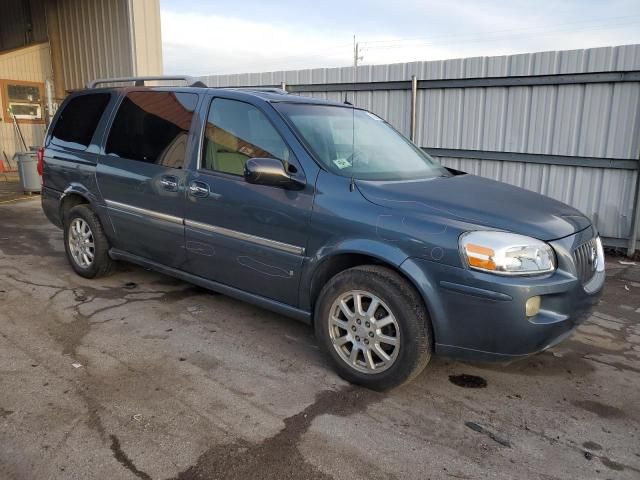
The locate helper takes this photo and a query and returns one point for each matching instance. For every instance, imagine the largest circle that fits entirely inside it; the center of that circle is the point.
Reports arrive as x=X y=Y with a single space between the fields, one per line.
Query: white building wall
x=29 y=64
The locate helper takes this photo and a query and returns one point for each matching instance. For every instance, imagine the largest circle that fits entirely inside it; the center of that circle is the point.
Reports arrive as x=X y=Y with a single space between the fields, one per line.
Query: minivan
x=320 y=211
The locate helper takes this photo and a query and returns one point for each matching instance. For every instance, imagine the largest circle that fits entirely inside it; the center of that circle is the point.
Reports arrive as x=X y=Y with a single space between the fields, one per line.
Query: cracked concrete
x=177 y=382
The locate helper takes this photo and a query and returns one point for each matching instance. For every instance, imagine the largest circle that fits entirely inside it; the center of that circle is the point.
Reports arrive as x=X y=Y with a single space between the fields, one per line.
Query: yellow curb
x=19 y=199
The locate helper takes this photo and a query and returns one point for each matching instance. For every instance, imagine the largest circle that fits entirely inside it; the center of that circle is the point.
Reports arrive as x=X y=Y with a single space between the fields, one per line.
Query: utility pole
x=356 y=53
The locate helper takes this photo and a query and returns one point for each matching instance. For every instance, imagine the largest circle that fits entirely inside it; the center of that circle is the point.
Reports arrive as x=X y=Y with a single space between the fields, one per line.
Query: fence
x=565 y=123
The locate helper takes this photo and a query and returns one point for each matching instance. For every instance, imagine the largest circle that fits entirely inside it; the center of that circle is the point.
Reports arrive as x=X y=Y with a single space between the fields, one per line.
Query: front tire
x=85 y=243
x=374 y=327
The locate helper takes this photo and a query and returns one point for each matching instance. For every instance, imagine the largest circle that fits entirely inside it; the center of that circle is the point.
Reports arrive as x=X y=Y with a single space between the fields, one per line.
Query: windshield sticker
x=342 y=163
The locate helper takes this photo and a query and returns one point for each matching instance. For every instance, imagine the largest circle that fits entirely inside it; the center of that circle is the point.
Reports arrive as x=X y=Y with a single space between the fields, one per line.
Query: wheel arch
x=340 y=261
x=78 y=194
x=70 y=198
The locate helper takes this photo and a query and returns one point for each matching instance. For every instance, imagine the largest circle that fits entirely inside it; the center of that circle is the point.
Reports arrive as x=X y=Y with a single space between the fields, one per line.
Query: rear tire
x=375 y=311
x=85 y=243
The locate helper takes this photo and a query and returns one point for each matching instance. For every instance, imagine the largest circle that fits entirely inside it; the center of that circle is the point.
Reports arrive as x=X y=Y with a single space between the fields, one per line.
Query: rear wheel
x=85 y=243
x=374 y=327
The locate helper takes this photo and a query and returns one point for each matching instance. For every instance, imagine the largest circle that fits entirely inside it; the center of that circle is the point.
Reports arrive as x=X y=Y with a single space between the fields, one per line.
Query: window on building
x=237 y=131
x=153 y=127
x=78 y=120
x=24 y=99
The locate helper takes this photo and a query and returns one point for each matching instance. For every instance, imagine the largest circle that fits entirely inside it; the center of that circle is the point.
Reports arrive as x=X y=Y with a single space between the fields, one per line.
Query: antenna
x=356 y=58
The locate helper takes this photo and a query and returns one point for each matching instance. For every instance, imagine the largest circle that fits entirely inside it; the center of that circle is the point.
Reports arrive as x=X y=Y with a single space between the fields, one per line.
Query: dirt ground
x=138 y=375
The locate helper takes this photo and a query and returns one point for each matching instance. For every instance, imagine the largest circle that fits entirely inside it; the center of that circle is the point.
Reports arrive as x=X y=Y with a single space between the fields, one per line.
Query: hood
x=482 y=202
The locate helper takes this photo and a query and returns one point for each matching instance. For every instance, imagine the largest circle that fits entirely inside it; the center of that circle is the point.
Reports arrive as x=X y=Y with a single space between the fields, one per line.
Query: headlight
x=506 y=253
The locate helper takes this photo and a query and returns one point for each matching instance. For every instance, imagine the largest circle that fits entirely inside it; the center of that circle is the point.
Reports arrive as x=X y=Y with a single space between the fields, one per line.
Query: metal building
x=48 y=47
x=564 y=123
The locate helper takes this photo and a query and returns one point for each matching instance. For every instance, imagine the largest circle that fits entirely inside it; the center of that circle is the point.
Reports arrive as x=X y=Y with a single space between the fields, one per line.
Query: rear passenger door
x=140 y=173
x=251 y=237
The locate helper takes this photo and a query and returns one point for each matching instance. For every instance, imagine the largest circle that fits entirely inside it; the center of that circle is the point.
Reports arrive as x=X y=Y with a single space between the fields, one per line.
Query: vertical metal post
x=55 y=44
x=414 y=99
x=631 y=247
x=283 y=86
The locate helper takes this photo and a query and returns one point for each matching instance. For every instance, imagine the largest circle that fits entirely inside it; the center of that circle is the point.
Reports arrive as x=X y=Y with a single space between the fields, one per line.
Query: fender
x=384 y=252
x=76 y=188
x=428 y=290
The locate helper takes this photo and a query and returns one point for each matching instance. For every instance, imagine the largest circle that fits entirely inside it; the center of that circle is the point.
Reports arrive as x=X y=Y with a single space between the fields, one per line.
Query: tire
x=96 y=250
x=405 y=320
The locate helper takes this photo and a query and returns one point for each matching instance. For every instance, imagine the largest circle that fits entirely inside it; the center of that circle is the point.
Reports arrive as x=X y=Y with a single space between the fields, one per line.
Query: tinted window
x=237 y=131
x=78 y=120
x=153 y=127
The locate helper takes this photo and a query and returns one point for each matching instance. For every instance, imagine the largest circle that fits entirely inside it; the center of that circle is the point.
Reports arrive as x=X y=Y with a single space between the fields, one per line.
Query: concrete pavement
x=138 y=375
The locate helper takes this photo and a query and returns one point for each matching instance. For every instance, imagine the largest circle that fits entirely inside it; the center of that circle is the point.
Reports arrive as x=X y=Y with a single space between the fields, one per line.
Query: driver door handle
x=170 y=183
x=198 y=189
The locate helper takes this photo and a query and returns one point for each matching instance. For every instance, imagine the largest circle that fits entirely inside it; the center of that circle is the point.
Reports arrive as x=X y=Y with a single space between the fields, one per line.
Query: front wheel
x=374 y=327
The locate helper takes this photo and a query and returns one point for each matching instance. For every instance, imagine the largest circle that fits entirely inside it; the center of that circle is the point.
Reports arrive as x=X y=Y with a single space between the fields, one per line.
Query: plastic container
x=28 y=172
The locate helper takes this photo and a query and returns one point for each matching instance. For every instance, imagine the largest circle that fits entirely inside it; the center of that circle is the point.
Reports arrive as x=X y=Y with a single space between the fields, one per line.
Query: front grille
x=586 y=258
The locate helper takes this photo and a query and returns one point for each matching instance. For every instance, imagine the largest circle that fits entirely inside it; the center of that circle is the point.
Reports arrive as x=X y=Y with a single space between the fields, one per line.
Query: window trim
x=122 y=94
x=50 y=139
x=231 y=176
x=4 y=99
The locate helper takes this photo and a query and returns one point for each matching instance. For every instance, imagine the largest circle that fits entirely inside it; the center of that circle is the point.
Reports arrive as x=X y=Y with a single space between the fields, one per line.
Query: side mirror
x=270 y=171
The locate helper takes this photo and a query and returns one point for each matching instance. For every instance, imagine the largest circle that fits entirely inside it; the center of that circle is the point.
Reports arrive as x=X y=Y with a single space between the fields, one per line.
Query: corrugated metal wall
x=593 y=120
x=30 y=64
x=147 y=37
x=95 y=39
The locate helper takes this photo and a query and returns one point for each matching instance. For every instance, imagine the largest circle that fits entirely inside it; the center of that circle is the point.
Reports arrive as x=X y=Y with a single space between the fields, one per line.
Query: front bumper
x=480 y=316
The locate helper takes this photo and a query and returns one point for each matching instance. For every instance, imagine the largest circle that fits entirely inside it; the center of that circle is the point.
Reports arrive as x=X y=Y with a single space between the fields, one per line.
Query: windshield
x=374 y=151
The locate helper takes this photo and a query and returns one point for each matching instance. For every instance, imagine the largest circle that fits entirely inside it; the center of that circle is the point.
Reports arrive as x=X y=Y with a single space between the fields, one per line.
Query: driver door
x=247 y=236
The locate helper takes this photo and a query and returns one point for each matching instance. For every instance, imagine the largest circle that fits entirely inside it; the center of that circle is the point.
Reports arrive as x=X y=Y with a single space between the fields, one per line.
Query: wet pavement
x=138 y=375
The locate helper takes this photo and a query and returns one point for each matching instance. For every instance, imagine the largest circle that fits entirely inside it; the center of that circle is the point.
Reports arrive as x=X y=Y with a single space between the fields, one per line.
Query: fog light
x=532 y=307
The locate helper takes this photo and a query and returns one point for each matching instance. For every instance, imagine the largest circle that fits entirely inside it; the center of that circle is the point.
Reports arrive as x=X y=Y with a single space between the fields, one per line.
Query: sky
x=202 y=37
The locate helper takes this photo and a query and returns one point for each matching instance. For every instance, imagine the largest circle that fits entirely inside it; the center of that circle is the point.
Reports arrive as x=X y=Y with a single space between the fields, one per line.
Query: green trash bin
x=28 y=171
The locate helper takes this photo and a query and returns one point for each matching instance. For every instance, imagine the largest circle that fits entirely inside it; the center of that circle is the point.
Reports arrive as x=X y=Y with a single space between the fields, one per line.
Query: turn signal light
x=481 y=257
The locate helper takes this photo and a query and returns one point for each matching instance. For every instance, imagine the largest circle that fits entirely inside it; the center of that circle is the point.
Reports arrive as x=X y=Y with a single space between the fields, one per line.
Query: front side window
x=153 y=127
x=78 y=120
x=353 y=142
x=237 y=131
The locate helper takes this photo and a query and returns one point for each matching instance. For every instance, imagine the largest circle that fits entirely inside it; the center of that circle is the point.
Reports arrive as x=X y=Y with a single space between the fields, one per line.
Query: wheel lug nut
x=371 y=334
x=366 y=341
x=353 y=328
x=367 y=324
x=357 y=338
x=358 y=321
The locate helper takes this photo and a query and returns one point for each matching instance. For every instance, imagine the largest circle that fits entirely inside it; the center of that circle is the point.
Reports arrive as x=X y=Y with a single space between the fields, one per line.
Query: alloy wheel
x=81 y=243
x=364 y=331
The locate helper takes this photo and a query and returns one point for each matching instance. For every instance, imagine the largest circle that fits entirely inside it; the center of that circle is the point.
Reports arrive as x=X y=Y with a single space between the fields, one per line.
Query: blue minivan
x=322 y=212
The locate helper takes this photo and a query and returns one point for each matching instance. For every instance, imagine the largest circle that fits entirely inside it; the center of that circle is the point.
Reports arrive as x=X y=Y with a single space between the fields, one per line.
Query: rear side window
x=153 y=127
x=78 y=120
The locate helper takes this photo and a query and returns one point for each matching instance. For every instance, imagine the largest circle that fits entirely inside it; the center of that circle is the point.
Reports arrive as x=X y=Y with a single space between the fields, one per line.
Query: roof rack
x=277 y=90
x=139 y=81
